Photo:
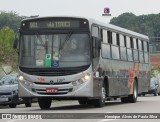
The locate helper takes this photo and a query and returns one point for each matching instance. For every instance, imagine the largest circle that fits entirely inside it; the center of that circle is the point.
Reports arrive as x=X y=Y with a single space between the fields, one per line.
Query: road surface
x=64 y=109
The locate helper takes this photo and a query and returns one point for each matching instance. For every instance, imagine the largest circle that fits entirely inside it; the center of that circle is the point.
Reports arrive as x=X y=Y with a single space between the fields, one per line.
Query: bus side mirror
x=16 y=40
x=15 y=43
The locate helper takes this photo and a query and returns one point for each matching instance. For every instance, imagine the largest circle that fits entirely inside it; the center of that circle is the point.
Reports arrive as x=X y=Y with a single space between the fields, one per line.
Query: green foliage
x=10 y=19
x=7 y=53
x=145 y=24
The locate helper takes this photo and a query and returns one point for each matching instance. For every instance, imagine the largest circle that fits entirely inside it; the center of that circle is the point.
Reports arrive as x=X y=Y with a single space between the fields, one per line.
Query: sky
x=85 y=8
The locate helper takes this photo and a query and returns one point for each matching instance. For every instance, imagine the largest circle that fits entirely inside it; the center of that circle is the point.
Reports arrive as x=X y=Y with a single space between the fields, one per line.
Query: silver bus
x=82 y=59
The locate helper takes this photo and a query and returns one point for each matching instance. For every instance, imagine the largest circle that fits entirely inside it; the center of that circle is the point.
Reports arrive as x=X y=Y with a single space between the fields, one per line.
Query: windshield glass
x=57 y=50
x=9 y=79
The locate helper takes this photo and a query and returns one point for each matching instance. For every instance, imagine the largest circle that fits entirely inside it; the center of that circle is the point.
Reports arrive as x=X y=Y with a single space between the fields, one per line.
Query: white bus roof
x=120 y=29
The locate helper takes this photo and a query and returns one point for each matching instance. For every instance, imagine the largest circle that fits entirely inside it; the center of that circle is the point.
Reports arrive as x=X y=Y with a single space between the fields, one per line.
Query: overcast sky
x=86 y=8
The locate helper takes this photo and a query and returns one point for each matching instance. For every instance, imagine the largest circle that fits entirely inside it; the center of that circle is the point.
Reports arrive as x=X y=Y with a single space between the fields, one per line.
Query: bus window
x=135 y=43
x=104 y=34
x=114 y=38
x=129 y=55
x=145 y=46
x=131 y=41
x=135 y=55
x=141 y=58
x=125 y=41
x=106 y=51
x=146 y=57
x=115 y=52
x=139 y=45
x=121 y=37
x=128 y=42
x=95 y=31
x=123 y=53
x=117 y=36
x=96 y=51
x=109 y=34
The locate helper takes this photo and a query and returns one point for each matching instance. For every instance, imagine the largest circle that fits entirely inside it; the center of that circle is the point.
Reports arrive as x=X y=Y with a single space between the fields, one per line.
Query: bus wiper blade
x=66 y=39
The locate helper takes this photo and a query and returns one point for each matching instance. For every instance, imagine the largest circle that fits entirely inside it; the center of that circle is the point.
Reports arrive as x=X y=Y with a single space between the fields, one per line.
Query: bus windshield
x=54 y=50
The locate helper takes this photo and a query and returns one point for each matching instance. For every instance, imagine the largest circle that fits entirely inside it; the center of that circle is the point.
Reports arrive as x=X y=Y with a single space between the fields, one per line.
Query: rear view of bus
x=54 y=59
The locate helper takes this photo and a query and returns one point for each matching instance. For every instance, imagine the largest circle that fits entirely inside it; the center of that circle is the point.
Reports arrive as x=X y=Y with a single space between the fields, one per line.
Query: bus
x=75 y=58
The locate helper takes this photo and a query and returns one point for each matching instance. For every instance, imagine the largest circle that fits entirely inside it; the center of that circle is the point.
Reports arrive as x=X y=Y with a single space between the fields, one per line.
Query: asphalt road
x=147 y=104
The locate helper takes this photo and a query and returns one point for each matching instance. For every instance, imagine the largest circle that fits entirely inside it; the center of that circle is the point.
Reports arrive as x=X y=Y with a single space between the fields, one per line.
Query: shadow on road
x=78 y=107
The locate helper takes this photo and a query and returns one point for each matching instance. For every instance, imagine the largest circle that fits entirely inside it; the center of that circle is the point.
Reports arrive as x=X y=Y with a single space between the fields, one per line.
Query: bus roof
x=120 y=29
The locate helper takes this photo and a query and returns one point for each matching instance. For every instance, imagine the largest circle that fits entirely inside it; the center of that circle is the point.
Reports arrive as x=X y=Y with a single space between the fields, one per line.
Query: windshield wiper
x=66 y=39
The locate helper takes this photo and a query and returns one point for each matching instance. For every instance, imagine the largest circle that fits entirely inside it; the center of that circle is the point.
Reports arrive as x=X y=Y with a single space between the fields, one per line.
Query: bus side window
x=146 y=52
x=96 y=51
x=109 y=34
x=95 y=32
x=96 y=47
x=104 y=36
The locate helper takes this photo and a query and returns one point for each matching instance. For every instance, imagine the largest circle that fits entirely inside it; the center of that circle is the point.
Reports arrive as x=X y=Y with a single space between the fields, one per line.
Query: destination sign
x=53 y=24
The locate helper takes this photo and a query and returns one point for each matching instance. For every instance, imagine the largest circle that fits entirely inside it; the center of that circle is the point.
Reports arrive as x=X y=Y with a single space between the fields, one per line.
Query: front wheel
x=101 y=101
x=82 y=101
x=12 y=105
x=28 y=103
x=44 y=103
x=155 y=94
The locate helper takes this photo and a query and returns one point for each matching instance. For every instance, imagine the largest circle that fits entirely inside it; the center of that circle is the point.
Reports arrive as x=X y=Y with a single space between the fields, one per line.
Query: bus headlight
x=21 y=78
x=85 y=78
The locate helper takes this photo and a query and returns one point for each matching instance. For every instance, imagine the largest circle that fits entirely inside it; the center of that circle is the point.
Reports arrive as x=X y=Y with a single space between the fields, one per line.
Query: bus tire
x=124 y=99
x=28 y=103
x=12 y=105
x=82 y=101
x=133 y=98
x=155 y=94
x=101 y=101
x=44 y=103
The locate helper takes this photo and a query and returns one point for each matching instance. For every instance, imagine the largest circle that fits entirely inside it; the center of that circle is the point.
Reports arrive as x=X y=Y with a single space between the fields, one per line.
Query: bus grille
x=58 y=83
x=53 y=71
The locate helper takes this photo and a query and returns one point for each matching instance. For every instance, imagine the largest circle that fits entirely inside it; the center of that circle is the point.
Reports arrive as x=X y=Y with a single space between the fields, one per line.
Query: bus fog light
x=80 y=81
x=74 y=83
x=28 y=83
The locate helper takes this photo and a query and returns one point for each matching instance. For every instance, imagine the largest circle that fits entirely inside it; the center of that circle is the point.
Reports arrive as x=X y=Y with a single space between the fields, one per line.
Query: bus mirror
x=16 y=40
x=15 y=43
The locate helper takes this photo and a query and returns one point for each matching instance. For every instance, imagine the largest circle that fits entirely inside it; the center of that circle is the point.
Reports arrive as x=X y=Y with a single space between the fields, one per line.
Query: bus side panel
x=117 y=73
x=97 y=85
x=143 y=78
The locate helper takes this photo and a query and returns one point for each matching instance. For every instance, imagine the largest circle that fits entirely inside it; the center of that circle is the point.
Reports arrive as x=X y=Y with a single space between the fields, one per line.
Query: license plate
x=51 y=90
x=3 y=99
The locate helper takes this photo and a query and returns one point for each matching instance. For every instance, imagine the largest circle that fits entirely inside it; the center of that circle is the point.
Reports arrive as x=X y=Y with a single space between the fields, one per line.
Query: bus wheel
x=101 y=101
x=155 y=94
x=124 y=99
x=28 y=103
x=82 y=101
x=12 y=105
x=44 y=103
x=133 y=98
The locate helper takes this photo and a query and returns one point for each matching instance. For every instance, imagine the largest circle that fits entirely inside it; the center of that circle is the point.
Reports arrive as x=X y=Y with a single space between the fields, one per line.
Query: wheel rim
x=103 y=93
x=135 y=91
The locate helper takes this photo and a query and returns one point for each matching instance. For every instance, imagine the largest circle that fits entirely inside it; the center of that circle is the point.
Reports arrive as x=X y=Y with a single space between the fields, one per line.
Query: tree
x=10 y=19
x=7 y=54
x=145 y=24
